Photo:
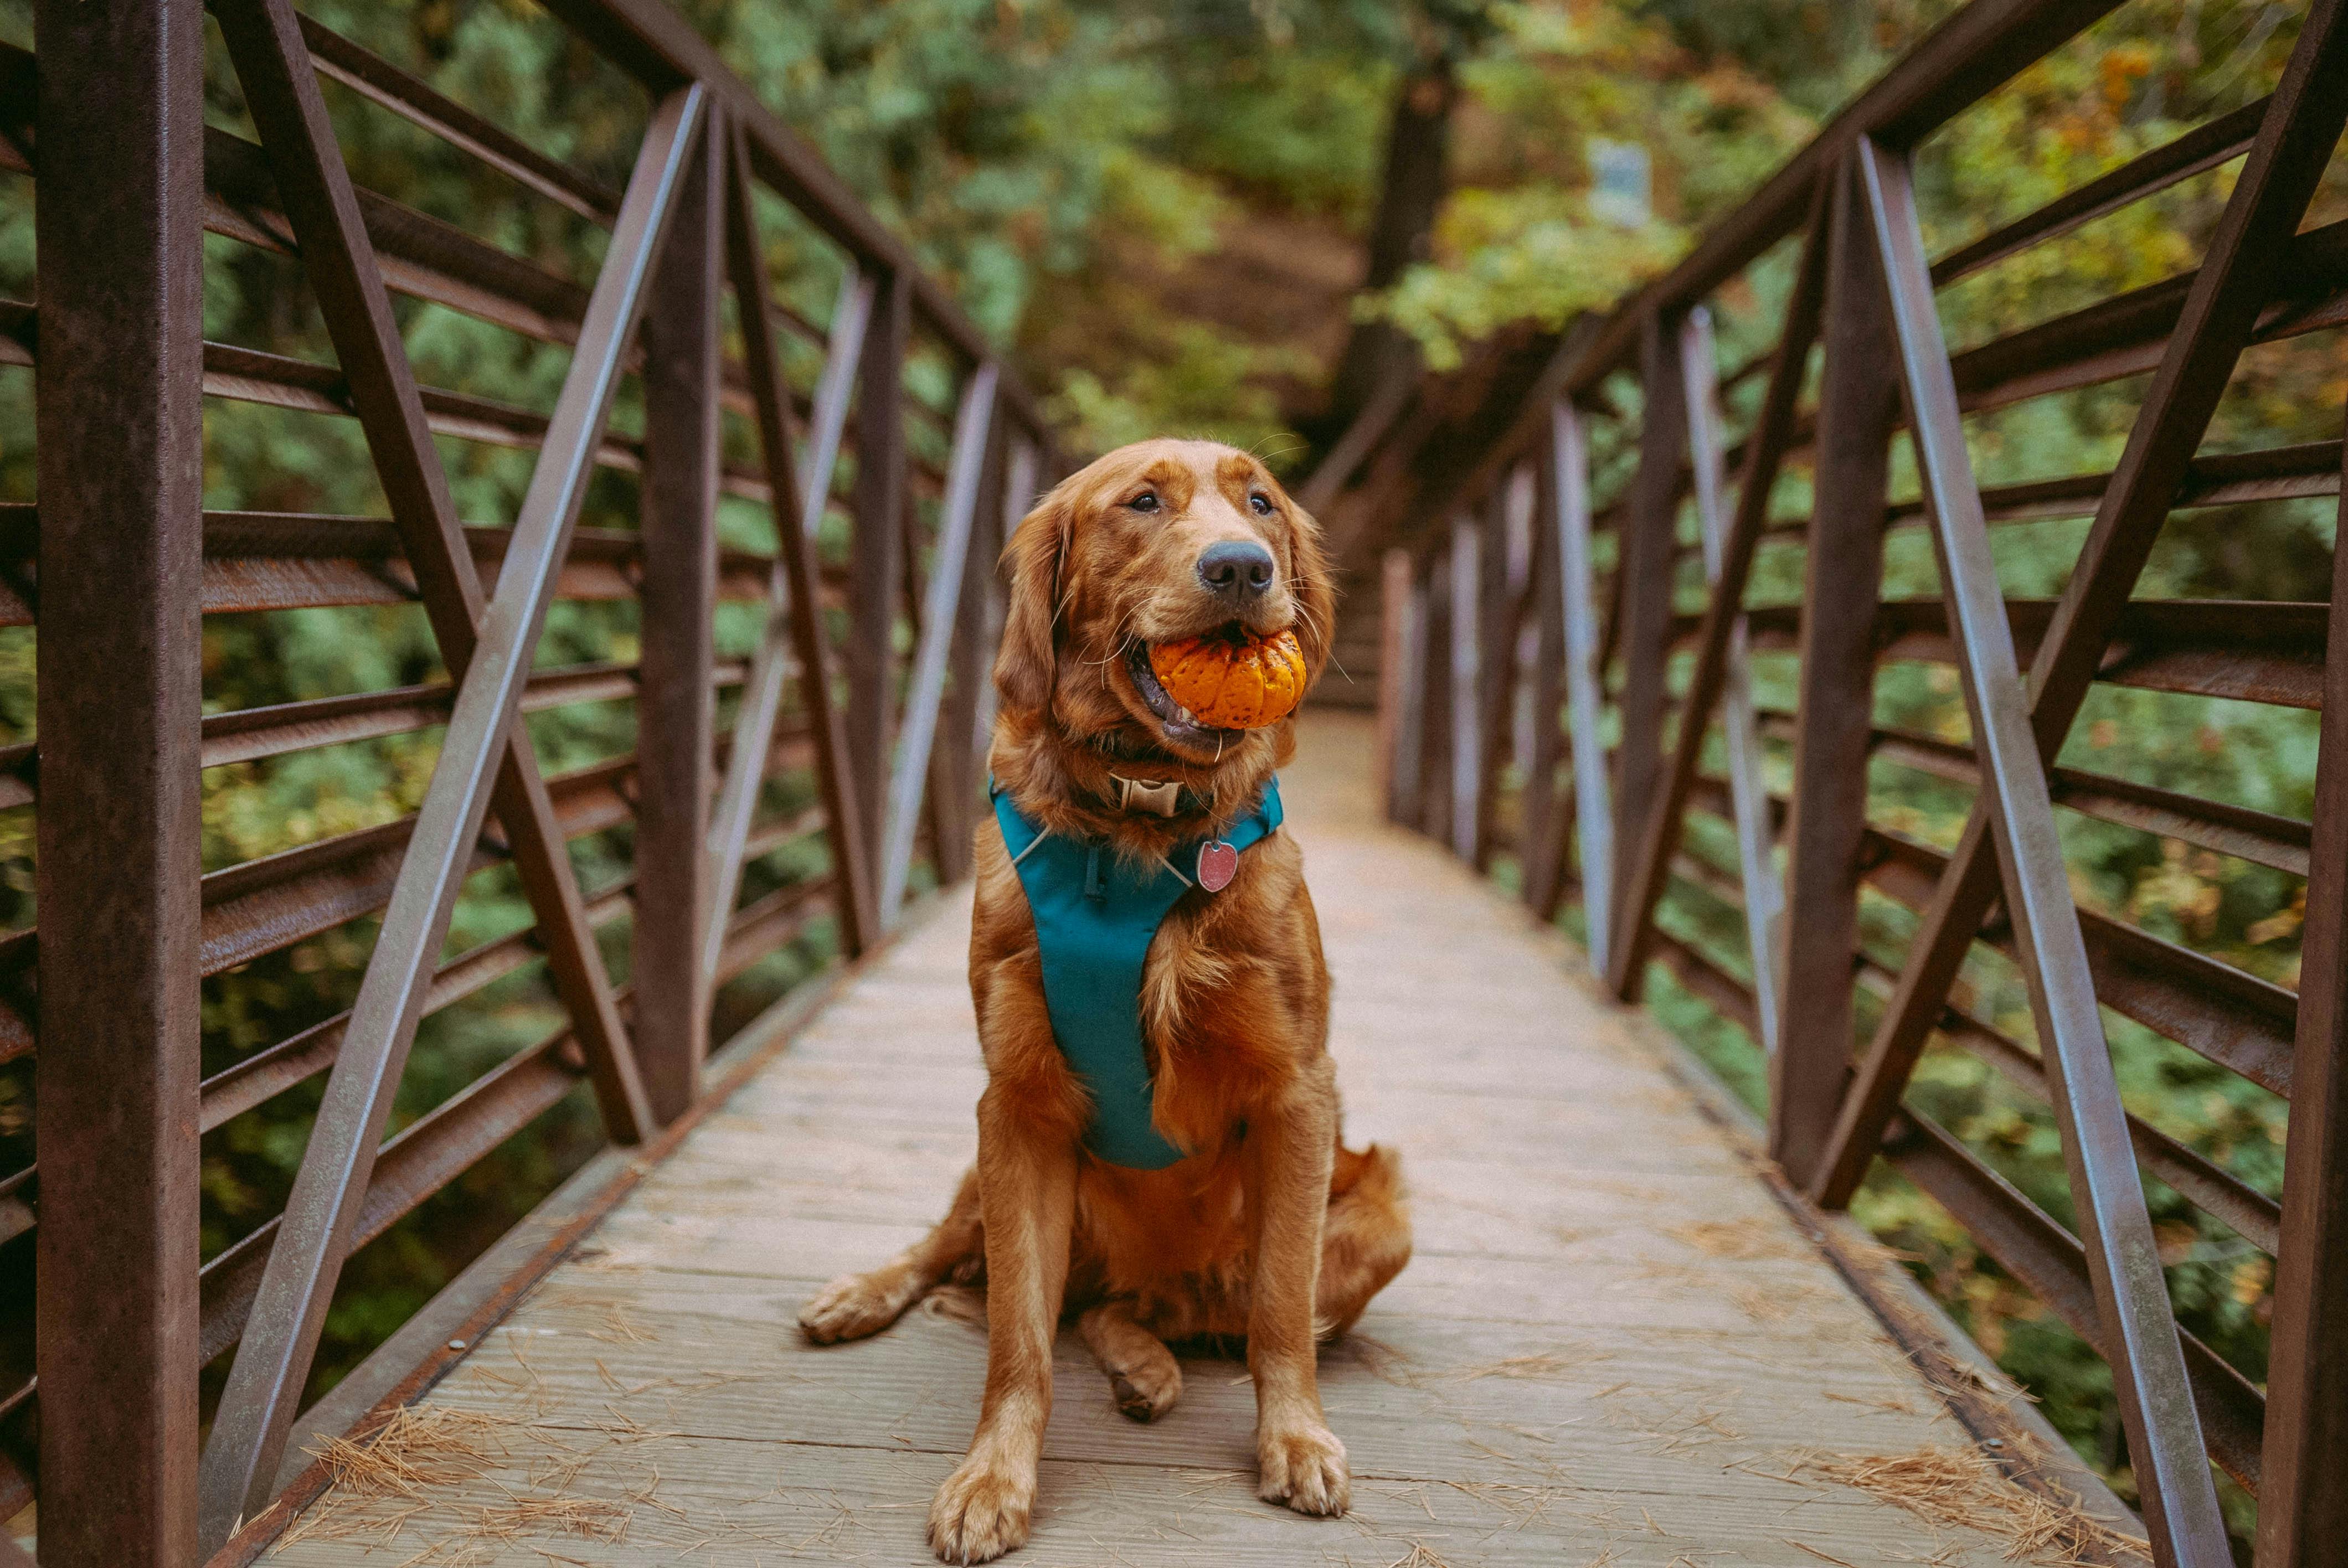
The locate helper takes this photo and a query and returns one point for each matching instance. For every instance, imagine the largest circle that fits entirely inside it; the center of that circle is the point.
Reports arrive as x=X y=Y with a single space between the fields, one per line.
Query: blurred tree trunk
x=1418 y=143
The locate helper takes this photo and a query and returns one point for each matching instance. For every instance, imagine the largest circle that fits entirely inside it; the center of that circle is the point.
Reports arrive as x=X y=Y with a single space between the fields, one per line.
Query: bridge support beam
x=674 y=705
x=2304 y=1504
x=1643 y=584
x=120 y=452
x=877 y=567
x=1842 y=581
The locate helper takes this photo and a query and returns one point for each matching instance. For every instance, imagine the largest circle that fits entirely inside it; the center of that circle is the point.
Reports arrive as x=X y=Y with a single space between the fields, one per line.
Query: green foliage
x=1515 y=241
x=1528 y=253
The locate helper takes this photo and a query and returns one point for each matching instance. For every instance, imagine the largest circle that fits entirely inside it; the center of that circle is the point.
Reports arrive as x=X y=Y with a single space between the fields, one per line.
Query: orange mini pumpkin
x=1232 y=685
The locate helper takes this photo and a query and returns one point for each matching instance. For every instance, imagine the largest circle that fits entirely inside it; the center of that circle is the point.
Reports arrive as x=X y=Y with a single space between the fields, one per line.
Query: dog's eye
x=1144 y=502
x=1261 y=503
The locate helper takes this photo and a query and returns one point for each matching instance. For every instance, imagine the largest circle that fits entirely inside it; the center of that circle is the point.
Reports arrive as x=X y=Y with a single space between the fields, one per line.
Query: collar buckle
x=1161 y=796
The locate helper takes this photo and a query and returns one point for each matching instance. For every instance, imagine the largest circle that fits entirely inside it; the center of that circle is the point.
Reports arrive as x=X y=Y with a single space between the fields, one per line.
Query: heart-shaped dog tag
x=1218 y=864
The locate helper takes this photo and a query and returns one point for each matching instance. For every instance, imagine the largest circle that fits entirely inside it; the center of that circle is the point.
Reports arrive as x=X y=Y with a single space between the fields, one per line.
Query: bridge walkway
x=1615 y=1345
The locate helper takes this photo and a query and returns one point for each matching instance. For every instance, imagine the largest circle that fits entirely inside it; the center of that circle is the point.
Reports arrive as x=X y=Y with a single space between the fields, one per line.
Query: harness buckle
x=1162 y=796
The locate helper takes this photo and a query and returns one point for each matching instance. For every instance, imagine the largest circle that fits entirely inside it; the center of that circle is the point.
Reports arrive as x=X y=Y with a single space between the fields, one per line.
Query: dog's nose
x=1236 y=570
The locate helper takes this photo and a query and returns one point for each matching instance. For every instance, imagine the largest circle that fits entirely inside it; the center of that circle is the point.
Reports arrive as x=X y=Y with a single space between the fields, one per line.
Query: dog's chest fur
x=1234 y=1002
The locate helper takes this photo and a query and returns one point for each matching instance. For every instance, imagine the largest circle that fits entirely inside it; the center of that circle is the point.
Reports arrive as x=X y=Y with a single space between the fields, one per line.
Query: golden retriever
x=1266 y=1227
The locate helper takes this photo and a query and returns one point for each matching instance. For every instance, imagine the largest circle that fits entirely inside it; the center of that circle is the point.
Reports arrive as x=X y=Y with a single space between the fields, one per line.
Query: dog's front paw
x=980 y=1513
x=1304 y=1466
x=851 y=1307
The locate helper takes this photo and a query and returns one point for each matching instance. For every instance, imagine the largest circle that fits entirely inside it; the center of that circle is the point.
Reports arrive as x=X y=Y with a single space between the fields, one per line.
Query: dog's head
x=1155 y=542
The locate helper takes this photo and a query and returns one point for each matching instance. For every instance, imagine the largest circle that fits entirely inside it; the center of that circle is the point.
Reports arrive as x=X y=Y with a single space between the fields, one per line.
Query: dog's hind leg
x=856 y=1304
x=1142 y=1372
x=1366 y=1240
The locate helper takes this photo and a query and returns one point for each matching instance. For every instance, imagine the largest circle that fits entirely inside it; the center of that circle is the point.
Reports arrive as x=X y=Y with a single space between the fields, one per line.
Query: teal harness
x=1095 y=914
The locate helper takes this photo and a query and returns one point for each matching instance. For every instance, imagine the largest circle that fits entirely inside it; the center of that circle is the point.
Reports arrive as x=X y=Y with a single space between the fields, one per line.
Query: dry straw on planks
x=1956 y=1488
x=419 y=1447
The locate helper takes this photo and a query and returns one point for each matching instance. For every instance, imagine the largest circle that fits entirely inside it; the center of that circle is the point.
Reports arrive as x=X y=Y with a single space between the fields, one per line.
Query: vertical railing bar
x=119 y=451
x=339 y=260
x=1643 y=576
x=1019 y=469
x=877 y=559
x=1765 y=894
x=940 y=602
x=1435 y=734
x=1406 y=787
x=1393 y=615
x=1546 y=805
x=794 y=623
x=1842 y=582
x=2156 y=1398
x=272 y=1365
x=1525 y=595
x=1466 y=693
x=2238 y=274
x=1495 y=665
x=1593 y=814
x=2302 y=1503
x=675 y=707
x=1765 y=451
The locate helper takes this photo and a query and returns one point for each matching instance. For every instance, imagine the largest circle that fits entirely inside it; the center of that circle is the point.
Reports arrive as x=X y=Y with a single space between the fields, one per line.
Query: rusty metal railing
x=118 y=563
x=1500 y=630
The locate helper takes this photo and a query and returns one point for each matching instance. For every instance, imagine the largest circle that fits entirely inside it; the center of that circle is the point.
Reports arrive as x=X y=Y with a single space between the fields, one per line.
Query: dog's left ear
x=1316 y=590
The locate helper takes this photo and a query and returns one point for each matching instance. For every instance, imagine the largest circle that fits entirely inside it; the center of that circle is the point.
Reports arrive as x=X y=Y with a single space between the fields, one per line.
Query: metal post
x=1406 y=786
x=2303 y=1498
x=1643 y=579
x=1545 y=809
x=1435 y=787
x=1593 y=813
x=120 y=452
x=1393 y=651
x=1495 y=664
x=1842 y=582
x=877 y=566
x=675 y=707
x=1525 y=597
x=1467 y=686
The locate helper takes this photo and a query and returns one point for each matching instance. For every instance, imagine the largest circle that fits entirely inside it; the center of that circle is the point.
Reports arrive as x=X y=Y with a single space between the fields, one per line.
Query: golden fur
x=1269 y=1229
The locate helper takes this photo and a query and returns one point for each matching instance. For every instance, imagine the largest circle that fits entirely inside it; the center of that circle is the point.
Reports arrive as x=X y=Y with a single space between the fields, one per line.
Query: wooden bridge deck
x=1613 y=1346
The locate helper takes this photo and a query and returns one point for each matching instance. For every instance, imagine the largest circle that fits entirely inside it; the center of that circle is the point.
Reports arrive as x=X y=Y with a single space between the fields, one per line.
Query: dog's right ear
x=1034 y=561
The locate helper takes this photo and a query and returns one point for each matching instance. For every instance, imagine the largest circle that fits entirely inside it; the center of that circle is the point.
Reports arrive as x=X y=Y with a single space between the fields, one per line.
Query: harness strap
x=1095 y=916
